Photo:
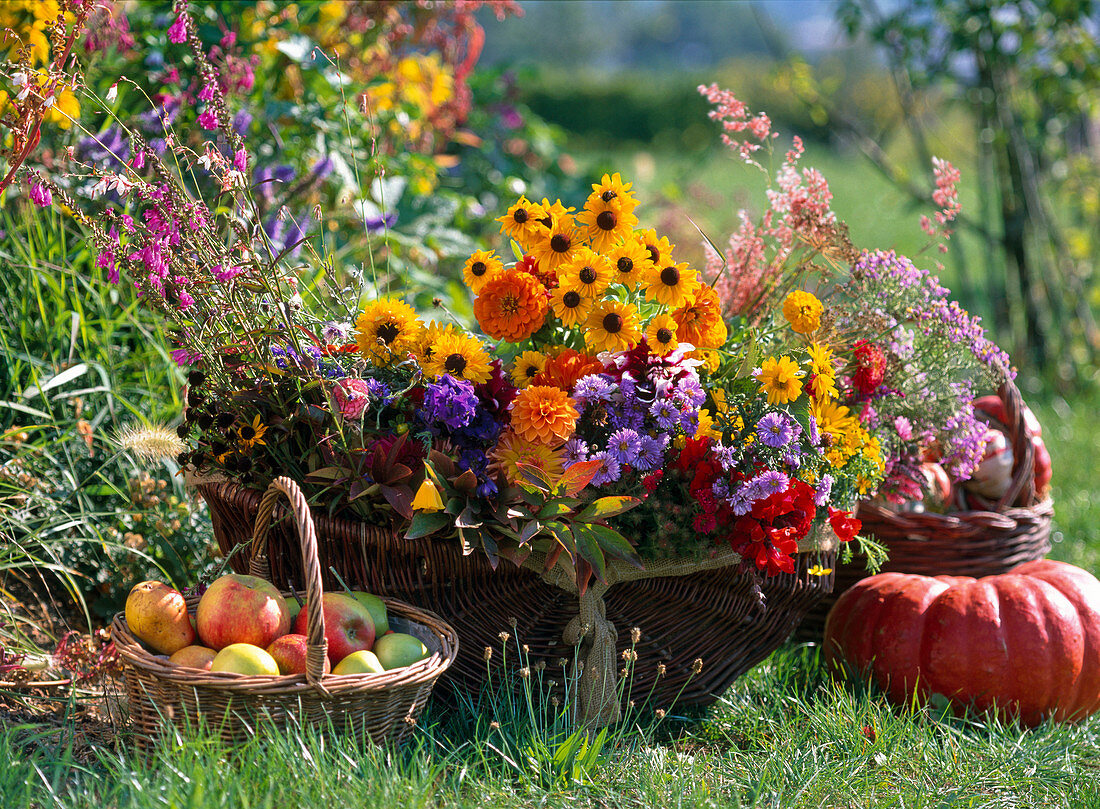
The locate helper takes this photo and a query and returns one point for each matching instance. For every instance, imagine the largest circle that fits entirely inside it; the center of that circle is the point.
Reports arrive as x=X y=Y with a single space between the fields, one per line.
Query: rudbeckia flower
x=612 y=326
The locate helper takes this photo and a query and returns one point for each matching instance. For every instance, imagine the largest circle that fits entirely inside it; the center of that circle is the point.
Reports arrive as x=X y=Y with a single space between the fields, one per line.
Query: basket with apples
x=244 y=651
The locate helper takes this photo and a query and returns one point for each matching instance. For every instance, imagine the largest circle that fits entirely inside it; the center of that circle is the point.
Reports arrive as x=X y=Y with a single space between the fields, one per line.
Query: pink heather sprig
x=946 y=196
x=743 y=132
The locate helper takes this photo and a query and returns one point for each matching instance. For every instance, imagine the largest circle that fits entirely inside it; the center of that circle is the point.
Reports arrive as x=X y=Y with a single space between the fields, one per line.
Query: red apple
x=241 y=609
x=348 y=625
x=289 y=652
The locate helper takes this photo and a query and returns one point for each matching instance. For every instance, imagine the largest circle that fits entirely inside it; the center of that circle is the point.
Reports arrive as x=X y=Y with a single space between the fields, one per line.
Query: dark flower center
x=664 y=335
x=654 y=253
x=608 y=195
x=559 y=243
x=247 y=433
x=388 y=333
x=572 y=299
x=612 y=323
x=520 y=217
x=625 y=265
x=588 y=275
x=547 y=221
x=455 y=364
x=531 y=371
x=670 y=276
x=478 y=268
x=605 y=221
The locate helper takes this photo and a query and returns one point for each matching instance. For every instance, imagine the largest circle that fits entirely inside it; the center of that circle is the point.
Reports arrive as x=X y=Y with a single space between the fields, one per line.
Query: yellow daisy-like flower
x=710 y=358
x=706 y=427
x=552 y=211
x=833 y=419
x=674 y=285
x=823 y=386
x=659 y=249
x=571 y=307
x=660 y=335
x=612 y=326
x=386 y=329
x=521 y=222
x=526 y=367
x=513 y=450
x=461 y=356
x=629 y=259
x=587 y=272
x=818 y=570
x=556 y=244
x=429 y=336
x=608 y=213
x=780 y=379
x=248 y=435
x=803 y=311
x=481 y=268
x=821 y=359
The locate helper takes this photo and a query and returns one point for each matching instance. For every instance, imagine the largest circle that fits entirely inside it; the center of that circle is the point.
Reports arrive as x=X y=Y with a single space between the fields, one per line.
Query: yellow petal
x=427 y=497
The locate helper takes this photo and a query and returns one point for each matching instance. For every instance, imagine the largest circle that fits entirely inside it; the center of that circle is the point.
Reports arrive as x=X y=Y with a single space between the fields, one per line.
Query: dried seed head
x=512 y=622
x=494 y=725
x=660 y=713
x=525 y=672
x=624 y=673
x=488 y=653
x=150 y=443
x=504 y=637
x=661 y=669
x=540 y=666
x=555 y=701
x=697 y=665
x=635 y=634
x=562 y=662
x=629 y=655
x=526 y=648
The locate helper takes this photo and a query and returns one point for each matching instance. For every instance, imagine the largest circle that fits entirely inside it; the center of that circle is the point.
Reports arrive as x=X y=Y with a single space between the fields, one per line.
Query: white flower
x=19 y=78
x=112 y=94
x=100 y=188
x=120 y=184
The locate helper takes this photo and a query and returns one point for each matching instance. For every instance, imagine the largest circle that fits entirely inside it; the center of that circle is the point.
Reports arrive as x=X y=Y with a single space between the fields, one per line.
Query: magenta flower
x=41 y=195
x=208 y=120
x=178 y=32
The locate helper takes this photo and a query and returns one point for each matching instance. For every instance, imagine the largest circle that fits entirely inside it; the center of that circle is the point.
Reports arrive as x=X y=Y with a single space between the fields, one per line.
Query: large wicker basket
x=717 y=616
x=383 y=706
x=975 y=543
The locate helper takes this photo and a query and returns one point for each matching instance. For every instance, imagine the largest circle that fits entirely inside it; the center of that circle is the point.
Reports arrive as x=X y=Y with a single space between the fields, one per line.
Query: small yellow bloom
x=803 y=311
x=818 y=570
x=660 y=335
x=526 y=367
x=427 y=497
x=780 y=379
x=251 y=434
x=481 y=268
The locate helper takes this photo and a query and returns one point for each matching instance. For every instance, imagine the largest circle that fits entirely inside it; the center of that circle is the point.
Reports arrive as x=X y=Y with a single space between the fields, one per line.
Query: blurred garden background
x=468 y=109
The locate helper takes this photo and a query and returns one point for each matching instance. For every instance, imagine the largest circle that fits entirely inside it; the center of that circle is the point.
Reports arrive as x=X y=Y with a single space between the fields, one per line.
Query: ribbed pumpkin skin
x=1027 y=641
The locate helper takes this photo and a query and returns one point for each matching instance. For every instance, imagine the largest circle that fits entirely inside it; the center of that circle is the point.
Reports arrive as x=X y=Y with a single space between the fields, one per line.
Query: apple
x=241 y=609
x=244 y=658
x=398 y=649
x=293 y=606
x=195 y=657
x=377 y=609
x=361 y=662
x=348 y=625
x=157 y=615
x=290 y=653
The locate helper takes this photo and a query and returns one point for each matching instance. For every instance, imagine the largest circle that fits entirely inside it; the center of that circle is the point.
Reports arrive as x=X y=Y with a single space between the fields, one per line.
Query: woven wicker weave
x=1014 y=530
x=715 y=616
x=384 y=706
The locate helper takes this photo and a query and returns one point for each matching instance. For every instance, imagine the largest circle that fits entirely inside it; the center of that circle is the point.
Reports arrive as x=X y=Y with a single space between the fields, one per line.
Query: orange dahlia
x=564 y=369
x=700 y=322
x=511 y=307
x=544 y=415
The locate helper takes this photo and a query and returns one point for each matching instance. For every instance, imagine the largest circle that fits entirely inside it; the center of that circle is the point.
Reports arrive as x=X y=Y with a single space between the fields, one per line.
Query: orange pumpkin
x=1026 y=642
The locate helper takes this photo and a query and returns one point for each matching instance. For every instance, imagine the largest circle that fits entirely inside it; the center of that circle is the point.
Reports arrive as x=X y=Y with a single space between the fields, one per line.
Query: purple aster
x=815 y=437
x=742 y=499
x=720 y=488
x=575 y=450
x=666 y=414
x=609 y=470
x=775 y=430
x=624 y=446
x=652 y=453
x=793 y=457
x=689 y=421
x=689 y=387
x=726 y=456
x=592 y=388
x=768 y=483
x=823 y=490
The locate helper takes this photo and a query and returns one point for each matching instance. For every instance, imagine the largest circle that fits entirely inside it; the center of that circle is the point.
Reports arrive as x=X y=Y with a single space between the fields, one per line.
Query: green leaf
x=588 y=548
x=536 y=477
x=800 y=410
x=615 y=544
x=427 y=522
x=606 y=507
x=554 y=509
x=529 y=531
x=326 y=473
x=468 y=518
x=560 y=531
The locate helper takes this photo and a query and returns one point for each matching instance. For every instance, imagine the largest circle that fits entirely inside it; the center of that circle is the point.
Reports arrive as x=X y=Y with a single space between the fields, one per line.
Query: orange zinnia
x=566 y=368
x=700 y=322
x=511 y=307
x=543 y=415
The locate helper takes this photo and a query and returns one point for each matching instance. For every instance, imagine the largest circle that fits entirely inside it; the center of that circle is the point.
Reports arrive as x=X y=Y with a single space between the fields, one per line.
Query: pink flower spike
x=206 y=93
x=225 y=274
x=240 y=160
x=41 y=195
x=208 y=120
x=138 y=160
x=185 y=299
x=178 y=32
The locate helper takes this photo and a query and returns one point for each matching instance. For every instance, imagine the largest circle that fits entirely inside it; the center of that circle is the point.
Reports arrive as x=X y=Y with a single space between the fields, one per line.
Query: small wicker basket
x=974 y=543
x=384 y=706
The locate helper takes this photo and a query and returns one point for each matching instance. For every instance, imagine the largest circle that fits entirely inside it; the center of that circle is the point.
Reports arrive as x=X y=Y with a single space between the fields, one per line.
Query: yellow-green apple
x=293 y=606
x=377 y=611
x=195 y=657
x=244 y=658
x=241 y=609
x=348 y=625
x=398 y=649
x=289 y=652
x=157 y=615
x=361 y=662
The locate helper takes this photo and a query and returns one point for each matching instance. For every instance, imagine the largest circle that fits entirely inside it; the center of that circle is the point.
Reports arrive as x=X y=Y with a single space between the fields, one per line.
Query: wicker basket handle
x=1022 y=487
x=317 y=648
